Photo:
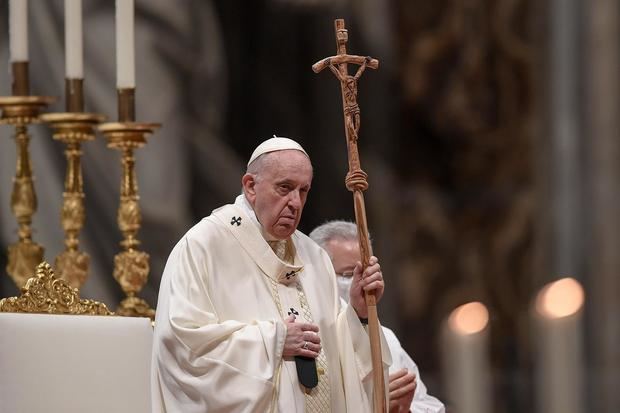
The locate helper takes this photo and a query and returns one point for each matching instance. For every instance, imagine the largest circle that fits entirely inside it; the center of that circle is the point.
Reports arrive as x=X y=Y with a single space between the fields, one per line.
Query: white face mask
x=344 y=286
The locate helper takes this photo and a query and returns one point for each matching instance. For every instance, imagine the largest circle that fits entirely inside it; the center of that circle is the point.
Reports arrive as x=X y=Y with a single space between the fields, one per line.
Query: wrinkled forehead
x=293 y=166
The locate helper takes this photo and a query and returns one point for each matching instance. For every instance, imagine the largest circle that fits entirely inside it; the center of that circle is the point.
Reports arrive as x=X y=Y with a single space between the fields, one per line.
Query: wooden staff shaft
x=371 y=300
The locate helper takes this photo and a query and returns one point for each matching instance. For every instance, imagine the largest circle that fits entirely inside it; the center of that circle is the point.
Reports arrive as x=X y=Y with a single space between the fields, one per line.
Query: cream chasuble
x=219 y=332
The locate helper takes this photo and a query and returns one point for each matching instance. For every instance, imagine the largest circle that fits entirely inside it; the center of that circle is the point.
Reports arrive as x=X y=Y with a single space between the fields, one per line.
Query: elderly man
x=249 y=318
x=407 y=392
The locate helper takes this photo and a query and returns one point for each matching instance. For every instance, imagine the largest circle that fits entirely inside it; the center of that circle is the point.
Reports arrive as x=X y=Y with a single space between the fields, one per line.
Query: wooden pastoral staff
x=356 y=182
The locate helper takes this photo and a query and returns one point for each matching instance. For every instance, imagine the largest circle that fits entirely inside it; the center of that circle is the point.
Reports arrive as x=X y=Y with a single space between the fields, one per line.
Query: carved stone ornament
x=44 y=293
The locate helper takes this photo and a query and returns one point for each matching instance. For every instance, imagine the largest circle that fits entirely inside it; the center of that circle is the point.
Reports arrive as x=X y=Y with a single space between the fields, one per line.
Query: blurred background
x=489 y=134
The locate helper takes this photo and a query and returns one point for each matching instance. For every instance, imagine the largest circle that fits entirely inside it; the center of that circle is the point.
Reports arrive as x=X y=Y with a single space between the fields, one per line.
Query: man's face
x=278 y=192
x=344 y=255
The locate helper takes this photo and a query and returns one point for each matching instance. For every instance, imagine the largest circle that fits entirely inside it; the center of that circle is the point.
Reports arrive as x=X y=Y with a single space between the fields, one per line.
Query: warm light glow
x=560 y=298
x=470 y=318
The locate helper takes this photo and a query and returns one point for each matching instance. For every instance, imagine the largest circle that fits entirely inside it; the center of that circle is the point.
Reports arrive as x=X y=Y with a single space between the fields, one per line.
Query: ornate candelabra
x=131 y=266
x=21 y=110
x=72 y=128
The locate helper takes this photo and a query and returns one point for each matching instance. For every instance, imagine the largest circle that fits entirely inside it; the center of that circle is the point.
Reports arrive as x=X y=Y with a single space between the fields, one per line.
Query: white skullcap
x=275 y=144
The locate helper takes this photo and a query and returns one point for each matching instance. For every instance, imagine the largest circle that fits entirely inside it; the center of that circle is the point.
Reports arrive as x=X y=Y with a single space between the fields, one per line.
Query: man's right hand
x=402 y=388
x=302 y=339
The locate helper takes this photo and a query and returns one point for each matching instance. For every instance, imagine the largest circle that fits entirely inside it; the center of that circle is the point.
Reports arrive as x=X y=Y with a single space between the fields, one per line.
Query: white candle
x=125 y=63
x=18 y=30
x=74 y=58
x=558 y=314
x=465 y=358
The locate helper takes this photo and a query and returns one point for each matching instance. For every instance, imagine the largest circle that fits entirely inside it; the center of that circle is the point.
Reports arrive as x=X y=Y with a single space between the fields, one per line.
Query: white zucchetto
x=275 y=144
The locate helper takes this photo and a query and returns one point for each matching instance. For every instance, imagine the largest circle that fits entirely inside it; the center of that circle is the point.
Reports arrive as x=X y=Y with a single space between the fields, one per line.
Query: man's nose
x=294 y=199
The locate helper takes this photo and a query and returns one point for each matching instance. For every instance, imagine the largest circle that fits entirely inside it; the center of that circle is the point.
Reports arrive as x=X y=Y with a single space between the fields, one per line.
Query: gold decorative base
x=135 y=307
x=73 y=128
x=73 y=267
x=131 y=270
x=25 y=254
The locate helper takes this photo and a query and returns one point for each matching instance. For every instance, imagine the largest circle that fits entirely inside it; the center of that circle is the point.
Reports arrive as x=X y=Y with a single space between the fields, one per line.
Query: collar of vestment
x=247 y=231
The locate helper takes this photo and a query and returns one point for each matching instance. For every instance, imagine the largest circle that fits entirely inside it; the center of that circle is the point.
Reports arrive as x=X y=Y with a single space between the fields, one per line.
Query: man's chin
x=283 y=231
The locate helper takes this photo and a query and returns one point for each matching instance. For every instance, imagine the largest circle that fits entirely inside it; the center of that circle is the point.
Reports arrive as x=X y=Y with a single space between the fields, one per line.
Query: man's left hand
x=402 y=389
x=370 y=280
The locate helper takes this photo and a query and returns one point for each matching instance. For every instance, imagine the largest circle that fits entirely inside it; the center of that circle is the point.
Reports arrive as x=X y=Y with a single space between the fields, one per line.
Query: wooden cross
x=356 y=181
x=348 y=84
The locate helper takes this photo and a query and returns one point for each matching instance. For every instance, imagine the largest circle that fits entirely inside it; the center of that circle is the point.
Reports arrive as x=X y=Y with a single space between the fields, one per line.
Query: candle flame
x=560 y=298
x=470 y=318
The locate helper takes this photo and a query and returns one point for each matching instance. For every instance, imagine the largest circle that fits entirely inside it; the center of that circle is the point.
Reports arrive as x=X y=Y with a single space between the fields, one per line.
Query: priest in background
x=407 y=391
x=249 y=318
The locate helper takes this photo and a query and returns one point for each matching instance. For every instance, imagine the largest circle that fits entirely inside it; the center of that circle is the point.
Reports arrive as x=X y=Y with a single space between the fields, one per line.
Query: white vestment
x=219 y=335
x=422 y=401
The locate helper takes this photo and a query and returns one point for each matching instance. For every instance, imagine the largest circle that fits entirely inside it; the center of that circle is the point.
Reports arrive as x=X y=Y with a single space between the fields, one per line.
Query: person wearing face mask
x=248 y=316
x=407 y=391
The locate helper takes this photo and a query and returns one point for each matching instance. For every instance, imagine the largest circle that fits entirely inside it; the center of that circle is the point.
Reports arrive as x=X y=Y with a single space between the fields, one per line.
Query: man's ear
x=249 y=187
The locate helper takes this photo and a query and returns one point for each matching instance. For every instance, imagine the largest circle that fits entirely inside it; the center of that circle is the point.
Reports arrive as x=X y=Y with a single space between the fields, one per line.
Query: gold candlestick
x=72 y=128
x=131 y=266
x=21 y=110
